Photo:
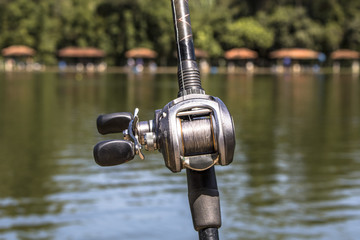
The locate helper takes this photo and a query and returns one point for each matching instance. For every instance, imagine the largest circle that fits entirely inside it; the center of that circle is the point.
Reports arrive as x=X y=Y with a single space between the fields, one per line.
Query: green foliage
x=333 y=33
x=352 y=34
x=208 y=23
x=119 y=25
x=159 y=29
x=292 y=27
x=19 y=23
x=247 y=32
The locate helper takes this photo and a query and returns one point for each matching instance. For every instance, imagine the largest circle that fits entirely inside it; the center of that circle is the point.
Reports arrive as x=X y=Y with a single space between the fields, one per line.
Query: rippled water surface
x=296 y=172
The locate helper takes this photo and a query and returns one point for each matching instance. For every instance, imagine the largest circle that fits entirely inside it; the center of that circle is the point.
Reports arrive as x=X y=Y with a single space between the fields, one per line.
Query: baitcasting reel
x=194 y=131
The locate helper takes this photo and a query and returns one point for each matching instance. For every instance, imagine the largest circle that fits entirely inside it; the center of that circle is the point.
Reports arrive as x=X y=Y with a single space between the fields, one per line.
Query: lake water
x=295 y=175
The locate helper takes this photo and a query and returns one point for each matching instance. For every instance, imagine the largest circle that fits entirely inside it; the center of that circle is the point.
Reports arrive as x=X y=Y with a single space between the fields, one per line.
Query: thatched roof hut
x=295 y=53
x=76 y=52
x=18 y=51
x=345 y=55
x=199 y=53
x=240 y=53
x=342 y=54
x=141 y=53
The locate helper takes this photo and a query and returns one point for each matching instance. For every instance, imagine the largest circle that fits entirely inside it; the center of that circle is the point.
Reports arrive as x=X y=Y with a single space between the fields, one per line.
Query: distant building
x=202 y=56
x=243 y=57
x=343 y=56
x=82 y=59
x=293 y=58
x=138 y=58
x=19 y=57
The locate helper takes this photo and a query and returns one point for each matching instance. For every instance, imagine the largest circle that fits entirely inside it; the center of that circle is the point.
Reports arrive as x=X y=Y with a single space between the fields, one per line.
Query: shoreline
x=174 y=69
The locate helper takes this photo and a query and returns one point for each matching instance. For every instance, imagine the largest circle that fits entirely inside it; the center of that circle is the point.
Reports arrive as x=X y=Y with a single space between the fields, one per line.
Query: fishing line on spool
x=197 y=136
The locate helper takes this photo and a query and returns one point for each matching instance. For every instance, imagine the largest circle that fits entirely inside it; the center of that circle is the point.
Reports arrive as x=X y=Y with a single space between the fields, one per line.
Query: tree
x=293 y=28
x=18 y=23
x=119 y=25
x=159 y=27
x=47 y=35
x=208 y=21
x=247 y=32
x=80 y=25
x=333 y=35
x=352 y=34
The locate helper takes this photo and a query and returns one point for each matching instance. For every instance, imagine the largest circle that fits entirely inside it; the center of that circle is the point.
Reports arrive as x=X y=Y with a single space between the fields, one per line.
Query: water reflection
x=295 y=175
x=300 y=138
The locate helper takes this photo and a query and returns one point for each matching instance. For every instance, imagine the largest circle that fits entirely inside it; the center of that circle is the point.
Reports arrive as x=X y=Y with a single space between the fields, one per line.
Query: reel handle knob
x=113 y=122
x=113 y=152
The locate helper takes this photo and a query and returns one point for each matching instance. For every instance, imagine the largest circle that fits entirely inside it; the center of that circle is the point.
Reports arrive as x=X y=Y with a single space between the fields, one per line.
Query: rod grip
x=204 y=199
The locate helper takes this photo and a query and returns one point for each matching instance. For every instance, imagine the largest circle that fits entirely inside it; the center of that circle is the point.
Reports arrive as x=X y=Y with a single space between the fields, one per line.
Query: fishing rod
x=195 y=132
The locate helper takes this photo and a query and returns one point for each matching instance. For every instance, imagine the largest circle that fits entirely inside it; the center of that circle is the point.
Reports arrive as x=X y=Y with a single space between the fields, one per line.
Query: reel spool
x=196 y=132
x=197 y=136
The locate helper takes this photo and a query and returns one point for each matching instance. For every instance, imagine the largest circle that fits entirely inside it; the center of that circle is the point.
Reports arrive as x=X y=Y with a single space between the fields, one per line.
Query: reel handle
x=113 y=152
x=113 y=122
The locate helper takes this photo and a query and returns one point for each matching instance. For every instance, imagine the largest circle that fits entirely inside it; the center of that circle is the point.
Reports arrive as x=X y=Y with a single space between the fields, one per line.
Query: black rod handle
x=204 y=199
x=209 y=234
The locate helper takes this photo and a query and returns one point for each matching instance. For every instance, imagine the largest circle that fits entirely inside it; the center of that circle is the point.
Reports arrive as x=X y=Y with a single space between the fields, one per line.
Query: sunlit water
x=295 y=175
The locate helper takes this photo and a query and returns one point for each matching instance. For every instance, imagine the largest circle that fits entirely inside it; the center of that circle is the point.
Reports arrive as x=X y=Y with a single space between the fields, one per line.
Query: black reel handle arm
x=115 y=152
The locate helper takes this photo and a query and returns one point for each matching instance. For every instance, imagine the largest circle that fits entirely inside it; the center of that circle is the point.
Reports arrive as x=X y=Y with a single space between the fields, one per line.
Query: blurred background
x=287 y=70
x=116 y=26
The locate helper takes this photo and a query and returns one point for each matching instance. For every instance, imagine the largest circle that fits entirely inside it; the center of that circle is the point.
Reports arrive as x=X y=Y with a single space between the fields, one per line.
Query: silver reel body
x=194 y=131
